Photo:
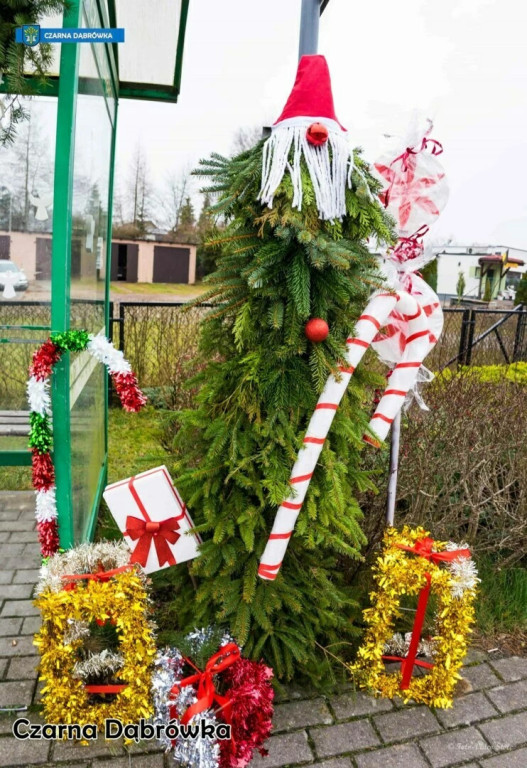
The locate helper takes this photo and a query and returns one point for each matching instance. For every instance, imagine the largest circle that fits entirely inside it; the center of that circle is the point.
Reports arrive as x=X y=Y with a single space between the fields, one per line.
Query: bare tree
x=245 y=138
x=140 y=191
x=176 y=189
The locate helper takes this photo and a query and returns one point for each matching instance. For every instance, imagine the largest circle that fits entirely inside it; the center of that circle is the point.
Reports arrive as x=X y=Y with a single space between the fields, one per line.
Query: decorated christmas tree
x=294 y=264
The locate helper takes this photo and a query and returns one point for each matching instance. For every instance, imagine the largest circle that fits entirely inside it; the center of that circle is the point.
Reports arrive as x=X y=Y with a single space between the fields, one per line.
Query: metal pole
x=309 y=27
x=394 y=467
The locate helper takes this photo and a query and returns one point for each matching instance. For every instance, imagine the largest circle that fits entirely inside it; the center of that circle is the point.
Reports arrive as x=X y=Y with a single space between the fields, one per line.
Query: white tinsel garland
x=46 y=505
x=38 y=396
x=104 y=351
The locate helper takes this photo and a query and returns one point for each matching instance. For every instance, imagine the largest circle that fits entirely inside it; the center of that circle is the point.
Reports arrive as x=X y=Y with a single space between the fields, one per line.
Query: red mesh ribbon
x=408 y=248
x=422 y=548
x=206 y=691
x=162 y=533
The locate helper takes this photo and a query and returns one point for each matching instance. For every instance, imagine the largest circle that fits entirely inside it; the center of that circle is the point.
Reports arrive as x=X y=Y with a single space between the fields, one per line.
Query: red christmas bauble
x=316 y=329
x=317 y=134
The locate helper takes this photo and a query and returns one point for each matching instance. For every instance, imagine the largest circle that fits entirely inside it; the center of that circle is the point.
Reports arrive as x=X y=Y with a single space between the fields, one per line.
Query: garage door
x=171 y=264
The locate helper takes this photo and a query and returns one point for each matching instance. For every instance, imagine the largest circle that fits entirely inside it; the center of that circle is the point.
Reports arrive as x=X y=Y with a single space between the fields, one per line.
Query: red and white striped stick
x=404 y=374
x=367 y=327
x=403 y=378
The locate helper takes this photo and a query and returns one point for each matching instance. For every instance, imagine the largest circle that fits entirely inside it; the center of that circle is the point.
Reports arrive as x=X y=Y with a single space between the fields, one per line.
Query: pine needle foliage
x=234 y=453
x=17 y=59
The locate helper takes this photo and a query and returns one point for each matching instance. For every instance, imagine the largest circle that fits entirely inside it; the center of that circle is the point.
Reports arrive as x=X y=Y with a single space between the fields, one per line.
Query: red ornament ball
x=317 y=134
x=316 y=329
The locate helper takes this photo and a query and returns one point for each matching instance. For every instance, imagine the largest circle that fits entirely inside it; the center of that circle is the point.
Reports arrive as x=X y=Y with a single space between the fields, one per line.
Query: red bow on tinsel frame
x=100 y=575
x=206 y=691
x=422 y=548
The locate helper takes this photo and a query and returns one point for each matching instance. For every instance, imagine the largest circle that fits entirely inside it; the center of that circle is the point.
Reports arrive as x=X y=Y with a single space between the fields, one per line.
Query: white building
x=501 y=265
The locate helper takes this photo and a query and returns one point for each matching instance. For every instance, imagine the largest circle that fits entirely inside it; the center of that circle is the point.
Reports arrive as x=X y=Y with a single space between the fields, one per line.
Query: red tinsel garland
x=131 y=397
x=43 y=470
x=44 y=359
x=251 y=694
x=48 y=536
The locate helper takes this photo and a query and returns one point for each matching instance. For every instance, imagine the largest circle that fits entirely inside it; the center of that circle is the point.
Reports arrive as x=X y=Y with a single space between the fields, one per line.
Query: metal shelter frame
x=67 y=87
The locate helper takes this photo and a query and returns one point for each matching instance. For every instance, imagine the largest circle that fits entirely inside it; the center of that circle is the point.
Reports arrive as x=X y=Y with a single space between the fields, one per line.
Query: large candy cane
x=402 y=379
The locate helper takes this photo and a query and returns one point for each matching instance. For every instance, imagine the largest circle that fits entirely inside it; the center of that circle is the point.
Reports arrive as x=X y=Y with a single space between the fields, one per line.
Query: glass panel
x=148 y=54
x=26 y=210
x=93 y=136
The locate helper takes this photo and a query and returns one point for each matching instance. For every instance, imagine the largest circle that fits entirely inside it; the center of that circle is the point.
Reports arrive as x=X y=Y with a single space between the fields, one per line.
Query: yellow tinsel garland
x=123 y=598
x=397 y=573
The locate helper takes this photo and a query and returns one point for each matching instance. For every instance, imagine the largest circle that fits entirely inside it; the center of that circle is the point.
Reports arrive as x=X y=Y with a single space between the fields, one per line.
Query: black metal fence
x=160 y=340
x=156 y=337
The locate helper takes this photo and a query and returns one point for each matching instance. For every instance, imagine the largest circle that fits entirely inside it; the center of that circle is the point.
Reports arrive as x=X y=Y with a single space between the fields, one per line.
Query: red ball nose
x=317 y=134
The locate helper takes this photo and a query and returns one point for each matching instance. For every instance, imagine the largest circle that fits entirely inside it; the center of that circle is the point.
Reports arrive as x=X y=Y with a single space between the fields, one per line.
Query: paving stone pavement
x=486 y=728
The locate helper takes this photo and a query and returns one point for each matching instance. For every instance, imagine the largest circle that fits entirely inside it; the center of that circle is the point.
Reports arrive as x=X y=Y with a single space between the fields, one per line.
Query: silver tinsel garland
x=462 y=570
x=98 y=664
x=86 y=558
x=398 y=645
x=168 y=671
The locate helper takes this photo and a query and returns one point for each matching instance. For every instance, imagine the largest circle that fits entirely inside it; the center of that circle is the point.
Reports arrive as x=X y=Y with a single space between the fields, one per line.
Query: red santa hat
x=308 y=130
x=311 y=96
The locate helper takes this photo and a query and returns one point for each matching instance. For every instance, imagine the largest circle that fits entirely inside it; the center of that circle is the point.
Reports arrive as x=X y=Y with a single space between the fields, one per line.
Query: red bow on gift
x=161 y=532
x=422 y=548
x=206 y=692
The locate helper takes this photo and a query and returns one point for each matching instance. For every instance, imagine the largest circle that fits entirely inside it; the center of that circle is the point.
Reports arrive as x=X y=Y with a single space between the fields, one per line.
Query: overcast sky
x=461 y=62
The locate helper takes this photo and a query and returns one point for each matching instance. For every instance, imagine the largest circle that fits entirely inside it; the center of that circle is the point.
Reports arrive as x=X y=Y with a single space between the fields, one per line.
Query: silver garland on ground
x=168 y=671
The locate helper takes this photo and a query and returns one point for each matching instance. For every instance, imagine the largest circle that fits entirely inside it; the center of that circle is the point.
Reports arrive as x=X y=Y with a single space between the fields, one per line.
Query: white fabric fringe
x=329 y=171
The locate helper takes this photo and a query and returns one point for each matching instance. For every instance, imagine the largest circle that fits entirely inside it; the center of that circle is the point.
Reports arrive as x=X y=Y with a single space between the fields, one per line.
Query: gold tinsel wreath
x=122 y=598
x=397 y=573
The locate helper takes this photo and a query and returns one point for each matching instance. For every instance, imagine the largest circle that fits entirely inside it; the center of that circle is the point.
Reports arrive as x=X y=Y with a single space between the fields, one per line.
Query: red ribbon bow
x=162 y=533
x=422 y=548
x=206 y=691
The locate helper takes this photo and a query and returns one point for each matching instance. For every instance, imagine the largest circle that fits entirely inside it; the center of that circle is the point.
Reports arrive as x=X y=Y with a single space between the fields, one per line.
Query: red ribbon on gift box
x=206 y=691
x=422 y=548
x=162 y=533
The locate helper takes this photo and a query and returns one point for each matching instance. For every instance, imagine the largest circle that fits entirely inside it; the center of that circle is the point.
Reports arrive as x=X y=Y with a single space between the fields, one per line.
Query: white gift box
x=153 y=519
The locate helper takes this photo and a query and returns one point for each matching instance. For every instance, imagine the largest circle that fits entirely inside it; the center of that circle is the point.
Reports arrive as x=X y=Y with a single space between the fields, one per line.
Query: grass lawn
x=134 y=446
x=182 y=289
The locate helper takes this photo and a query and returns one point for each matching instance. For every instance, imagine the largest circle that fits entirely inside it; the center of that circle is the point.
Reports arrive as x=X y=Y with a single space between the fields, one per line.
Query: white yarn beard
x=329 y=172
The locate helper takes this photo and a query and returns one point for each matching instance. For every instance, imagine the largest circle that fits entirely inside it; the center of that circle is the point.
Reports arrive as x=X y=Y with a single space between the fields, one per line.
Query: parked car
x=21 y=283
